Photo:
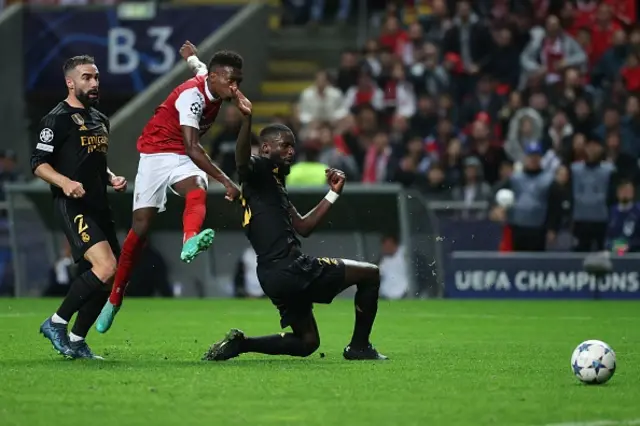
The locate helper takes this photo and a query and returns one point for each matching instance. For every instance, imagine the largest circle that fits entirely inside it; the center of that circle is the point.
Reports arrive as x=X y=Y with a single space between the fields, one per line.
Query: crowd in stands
x=450 y=92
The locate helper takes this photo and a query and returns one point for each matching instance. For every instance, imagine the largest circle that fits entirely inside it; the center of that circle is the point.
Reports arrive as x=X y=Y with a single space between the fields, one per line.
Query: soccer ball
x=593 y=362
x=505 y=198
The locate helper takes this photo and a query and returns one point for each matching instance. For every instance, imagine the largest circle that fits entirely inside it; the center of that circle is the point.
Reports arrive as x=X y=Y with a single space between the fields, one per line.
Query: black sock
x=278 y=344
x=366 y=305
x=81 y=290
x=89 y=312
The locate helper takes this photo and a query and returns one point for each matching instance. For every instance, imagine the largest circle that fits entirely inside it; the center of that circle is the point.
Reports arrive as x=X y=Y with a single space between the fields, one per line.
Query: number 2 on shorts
x=82 y=226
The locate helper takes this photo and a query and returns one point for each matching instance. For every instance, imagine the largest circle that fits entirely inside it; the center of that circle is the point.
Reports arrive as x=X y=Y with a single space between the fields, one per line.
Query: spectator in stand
x=593 y=183
x=365 y=92
x=393 y=37
x=452 y=162
x=549 y=52
x=370 y=61
x=359 y=136
x=470 y=40
x=308 y=171
x=335 y=153
x=630 y=72
x=602 y=31
x=528 y=218
x=399 y=96
x=349 y=70
x=608 y=67
x=634 y=39
x=484 y=99
x=625 y=165
x=472 y=188
x=437 y=22
x=559 y=237
x=412 y=50
x=631 y=125
x=504 y=62
x=578 y=148
x=424 y=121
x=508 y=111
x=612 y=123
x=557 y=142
x=321 y=102
x=623 y=230
x=570 y=90
x=490 y=153
x=582 y=117
x=378 y=162
x=394 y=277
x=526 y=126
x=429 y=76
x=435 y=187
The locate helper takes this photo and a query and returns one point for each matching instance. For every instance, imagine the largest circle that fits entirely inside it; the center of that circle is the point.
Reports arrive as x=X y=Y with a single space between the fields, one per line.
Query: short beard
x=86 y=100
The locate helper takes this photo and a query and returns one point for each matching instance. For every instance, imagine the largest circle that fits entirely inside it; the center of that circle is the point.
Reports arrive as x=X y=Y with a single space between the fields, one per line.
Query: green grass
x=453 y=363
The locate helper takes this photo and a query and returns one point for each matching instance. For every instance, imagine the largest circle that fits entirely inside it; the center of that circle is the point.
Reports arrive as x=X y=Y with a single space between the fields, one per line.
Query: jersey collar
x=208 y=92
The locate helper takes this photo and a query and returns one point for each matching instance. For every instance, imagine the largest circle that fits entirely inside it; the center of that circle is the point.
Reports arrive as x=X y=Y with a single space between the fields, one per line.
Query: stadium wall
x=12 y=105
x=352 y=230
x=246 y=32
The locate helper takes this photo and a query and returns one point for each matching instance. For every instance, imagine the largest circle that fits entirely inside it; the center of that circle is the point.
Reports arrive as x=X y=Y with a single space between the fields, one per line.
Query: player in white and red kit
x=171 y=157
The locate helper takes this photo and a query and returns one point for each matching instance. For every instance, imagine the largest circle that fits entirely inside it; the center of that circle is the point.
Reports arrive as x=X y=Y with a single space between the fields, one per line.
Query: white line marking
x=17 y=314
x=629 y=422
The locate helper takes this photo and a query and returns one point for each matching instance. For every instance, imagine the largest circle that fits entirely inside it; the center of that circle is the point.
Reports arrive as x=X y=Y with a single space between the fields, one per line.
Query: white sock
x=57 y=319
x=75 y=337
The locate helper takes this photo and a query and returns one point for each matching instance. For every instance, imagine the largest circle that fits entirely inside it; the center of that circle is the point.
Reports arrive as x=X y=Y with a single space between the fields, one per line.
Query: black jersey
x=266 y=218
x=75 y=141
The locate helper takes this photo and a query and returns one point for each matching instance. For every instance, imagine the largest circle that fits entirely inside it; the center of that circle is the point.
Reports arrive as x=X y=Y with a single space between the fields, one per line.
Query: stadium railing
x=352 y=229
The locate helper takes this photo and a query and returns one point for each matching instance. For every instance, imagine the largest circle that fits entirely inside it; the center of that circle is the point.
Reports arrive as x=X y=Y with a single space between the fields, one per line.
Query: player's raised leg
x=194 y=191
x=302 y=342
x=131 y=249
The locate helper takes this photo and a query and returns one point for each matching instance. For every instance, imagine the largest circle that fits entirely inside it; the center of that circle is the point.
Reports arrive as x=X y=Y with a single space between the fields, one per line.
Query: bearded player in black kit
x=71 y=156
x=292 y=280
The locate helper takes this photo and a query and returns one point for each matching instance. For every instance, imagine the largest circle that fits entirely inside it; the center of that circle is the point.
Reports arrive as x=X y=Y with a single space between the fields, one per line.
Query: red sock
x=131 y=249
x=195 y=209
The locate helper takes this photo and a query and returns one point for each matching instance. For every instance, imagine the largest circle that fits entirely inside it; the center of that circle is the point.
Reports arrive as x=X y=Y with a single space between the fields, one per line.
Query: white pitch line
x=629 y=422
x=17 y=314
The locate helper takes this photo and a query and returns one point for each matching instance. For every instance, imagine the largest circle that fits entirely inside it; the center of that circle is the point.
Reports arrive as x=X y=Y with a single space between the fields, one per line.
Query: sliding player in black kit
x=71 y=155
x=292 y=280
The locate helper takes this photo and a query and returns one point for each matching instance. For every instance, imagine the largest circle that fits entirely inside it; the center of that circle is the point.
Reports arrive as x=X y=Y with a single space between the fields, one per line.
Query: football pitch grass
x=452 y=363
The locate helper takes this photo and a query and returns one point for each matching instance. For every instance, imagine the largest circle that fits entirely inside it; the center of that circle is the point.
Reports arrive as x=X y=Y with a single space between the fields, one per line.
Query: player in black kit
x=292 y=280
x=71 y=155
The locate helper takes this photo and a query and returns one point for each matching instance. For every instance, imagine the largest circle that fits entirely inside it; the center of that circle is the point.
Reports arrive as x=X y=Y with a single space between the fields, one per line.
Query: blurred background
x=428 y=106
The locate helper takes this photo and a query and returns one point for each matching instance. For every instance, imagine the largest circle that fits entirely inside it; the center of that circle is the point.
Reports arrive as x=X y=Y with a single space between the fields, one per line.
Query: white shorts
x=156 y=173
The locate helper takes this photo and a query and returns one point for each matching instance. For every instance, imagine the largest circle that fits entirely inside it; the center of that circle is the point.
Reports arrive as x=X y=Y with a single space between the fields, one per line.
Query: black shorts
x=84 y=227
x=296 y=283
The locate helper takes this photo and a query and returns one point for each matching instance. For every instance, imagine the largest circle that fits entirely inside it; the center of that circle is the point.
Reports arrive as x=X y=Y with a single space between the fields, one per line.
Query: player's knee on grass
x=103 y=262
x=307 y=333
x=311 y=343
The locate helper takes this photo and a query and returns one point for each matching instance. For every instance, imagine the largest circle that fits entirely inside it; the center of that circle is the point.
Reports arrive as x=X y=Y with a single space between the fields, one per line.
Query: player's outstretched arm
x=199 y=156
x=243 y=144
x=305 y=225
x=190 y=54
